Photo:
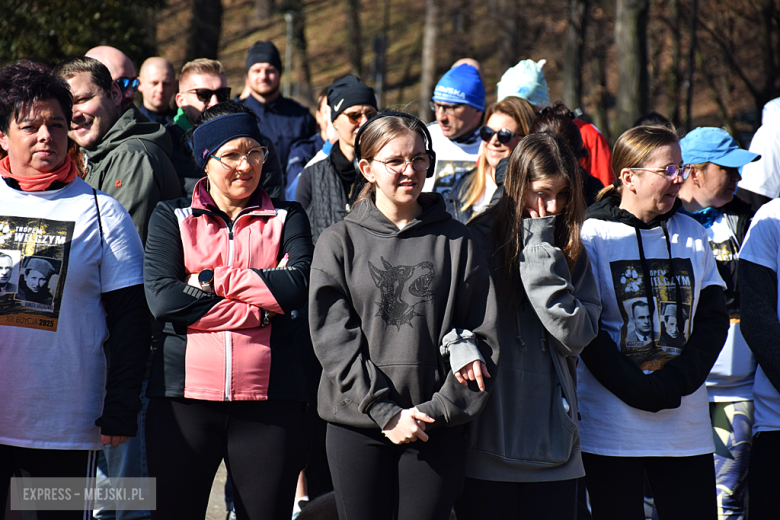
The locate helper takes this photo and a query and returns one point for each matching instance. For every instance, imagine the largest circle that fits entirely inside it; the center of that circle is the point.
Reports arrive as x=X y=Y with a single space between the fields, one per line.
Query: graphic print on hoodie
x=653 y=332
x=399 y=304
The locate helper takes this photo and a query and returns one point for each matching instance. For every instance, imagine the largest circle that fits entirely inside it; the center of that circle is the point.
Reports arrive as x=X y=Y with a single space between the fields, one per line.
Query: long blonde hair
x=523 y=113
x=633 y=149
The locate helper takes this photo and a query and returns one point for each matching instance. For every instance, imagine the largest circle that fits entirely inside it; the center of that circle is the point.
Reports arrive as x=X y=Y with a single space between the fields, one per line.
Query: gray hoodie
x=381 y=301
x=131 y=163
x=528 y=430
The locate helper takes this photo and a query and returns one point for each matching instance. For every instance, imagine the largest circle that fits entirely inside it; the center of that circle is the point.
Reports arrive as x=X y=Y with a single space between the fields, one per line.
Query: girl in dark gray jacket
x=524 y=451
x=402 y=322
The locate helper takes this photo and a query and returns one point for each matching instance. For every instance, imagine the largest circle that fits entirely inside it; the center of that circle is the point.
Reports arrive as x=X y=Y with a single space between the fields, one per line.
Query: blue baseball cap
x=715 y=145
x=461 y=84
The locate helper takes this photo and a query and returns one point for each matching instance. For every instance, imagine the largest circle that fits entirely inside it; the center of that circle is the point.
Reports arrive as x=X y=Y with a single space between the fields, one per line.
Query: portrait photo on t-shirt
x=9 y=271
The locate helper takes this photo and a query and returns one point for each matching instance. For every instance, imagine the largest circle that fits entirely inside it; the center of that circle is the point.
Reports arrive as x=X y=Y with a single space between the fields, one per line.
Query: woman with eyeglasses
x=329 y=183
x=524 y=455
x=225 y=271
x=402 y=322
x=642 y=399
x=508 y=121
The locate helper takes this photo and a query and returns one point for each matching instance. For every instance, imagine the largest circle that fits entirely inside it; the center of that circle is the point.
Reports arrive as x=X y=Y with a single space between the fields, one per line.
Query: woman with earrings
x=508 y=121
x=524 y=458
x=643 y=402
x=225 y=271
x=403 y=323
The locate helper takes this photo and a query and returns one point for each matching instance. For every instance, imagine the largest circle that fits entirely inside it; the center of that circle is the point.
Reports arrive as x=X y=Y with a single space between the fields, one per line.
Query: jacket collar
x=259 y=204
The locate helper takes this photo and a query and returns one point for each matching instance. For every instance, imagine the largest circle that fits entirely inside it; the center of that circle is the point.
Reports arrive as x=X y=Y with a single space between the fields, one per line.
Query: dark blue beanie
x=264 y=52
x=211 y=135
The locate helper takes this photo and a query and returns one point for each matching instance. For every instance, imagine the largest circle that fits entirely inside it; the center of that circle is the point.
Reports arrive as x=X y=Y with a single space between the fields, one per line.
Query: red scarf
x=65 y=173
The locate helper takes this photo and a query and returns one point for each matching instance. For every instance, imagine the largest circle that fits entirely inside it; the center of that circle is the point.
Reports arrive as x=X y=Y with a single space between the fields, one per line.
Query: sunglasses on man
x=504 y=136
x=125 y=83
x=205 y=94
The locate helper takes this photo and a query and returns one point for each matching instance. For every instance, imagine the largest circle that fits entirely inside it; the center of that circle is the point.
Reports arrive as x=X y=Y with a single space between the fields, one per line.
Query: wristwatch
x=206 y=279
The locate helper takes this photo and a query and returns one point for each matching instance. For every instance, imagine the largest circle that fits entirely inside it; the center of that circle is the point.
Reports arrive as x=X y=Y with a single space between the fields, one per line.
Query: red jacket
x=217 y=349
x=599 y=160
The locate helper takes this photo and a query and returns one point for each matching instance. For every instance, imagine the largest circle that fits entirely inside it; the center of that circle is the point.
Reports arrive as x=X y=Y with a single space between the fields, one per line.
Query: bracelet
x=266 y=319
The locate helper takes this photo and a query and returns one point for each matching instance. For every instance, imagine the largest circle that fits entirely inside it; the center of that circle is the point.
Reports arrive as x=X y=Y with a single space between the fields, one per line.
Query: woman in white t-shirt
x=642 y=401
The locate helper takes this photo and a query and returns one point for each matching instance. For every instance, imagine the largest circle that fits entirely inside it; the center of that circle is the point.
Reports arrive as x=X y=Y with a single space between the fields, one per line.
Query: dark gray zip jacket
x=380 y=302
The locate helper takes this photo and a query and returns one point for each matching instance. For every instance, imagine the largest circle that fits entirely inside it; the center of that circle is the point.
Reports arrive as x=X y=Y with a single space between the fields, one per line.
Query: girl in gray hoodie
x=524 y=458
x=402 y=322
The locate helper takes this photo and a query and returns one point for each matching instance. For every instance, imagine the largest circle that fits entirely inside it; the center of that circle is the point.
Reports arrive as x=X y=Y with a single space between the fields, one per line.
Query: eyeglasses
x=356 y=117
x=397 y=166
x=125 y=83
x=254 y=157
x=205 y=94
x=448 y=109
x=670 y=172
x=504 y=136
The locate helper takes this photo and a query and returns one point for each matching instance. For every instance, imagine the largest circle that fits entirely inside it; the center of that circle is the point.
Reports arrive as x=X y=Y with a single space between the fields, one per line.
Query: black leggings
x=36 y=463
x=762 y=475
x=261 y=442
x=374 y=478
x=555 y=500
x=683 y=487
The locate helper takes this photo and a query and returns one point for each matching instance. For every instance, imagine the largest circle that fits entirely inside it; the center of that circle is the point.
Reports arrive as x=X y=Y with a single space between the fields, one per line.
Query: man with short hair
x=126 y=156
x=202 y=84
x=121 y=69
x=458 y=105
x=640 y=317
x=6 y=270
x=283 y=120
x=157 y=85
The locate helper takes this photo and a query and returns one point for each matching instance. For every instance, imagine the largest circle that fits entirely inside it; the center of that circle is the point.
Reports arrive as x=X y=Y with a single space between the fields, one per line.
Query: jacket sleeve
x=567 y=305
x=128 y=349
x=339 y=342
x=681 y=376
x=273 y=176
x=476 y=309
x=599 y=160
x=278 y=289
x=760 y=326
x=303 y=190
x=169 y=297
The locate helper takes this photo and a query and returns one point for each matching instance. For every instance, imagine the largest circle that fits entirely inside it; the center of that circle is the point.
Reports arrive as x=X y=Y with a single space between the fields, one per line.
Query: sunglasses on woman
x=205 y=94
x=504 y=136
x=670 y=172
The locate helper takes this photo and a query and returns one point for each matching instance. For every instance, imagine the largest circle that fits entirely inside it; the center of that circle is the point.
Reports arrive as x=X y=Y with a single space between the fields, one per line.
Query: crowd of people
x=495 y=315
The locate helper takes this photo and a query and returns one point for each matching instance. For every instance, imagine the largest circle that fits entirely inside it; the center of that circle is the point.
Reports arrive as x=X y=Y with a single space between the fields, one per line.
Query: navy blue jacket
x=158 y=117
x=284 y=122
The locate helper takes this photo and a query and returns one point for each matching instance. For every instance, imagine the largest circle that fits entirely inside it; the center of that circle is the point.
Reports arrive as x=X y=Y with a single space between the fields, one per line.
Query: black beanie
x=347 y=92
x=264 y=52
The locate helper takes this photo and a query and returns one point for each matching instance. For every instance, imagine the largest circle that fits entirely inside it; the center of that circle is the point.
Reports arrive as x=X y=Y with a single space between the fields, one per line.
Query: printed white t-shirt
x=52 y=364
x=731 y=378
x=763 y=175
x=453 y=160
x=608 y=425
x=762 y=246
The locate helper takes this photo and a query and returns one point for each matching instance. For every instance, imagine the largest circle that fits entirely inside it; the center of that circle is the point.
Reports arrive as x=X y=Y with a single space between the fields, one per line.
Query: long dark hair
x=537 y=156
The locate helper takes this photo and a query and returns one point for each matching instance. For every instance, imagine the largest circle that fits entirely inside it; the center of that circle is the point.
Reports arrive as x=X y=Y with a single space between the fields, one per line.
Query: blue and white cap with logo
x=715 y=145
x=461 y=84
x=526 y=80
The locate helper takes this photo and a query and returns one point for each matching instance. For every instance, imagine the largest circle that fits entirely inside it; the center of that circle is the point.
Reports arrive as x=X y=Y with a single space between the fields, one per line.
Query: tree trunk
x=691 y=67
x=673 y=75
x=508 y=21
x=428 y=59
x=575 y=46
x=300 y=47
x=264 y=9
x=205 y=30
x=719 y=101
x=355 y=39
x=460 y=42
x=631 y=40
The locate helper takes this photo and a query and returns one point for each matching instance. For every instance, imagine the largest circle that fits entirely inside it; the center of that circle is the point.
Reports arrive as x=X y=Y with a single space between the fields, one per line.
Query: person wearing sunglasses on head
x=121 y=68
x=283 y=120
x=644 y=406
x=329 y=184
x=225 y=270
x=458 y=104
x=507 y=122
x=202 y=84
x=708 y=196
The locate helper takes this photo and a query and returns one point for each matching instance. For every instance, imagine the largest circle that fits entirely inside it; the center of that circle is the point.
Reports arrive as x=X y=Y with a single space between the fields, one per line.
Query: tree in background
x=205 y=30
x=354 y=37
x=575 y=49
x=631 y=41
x=51 y=30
